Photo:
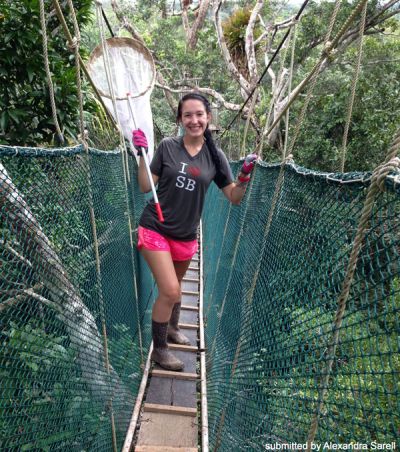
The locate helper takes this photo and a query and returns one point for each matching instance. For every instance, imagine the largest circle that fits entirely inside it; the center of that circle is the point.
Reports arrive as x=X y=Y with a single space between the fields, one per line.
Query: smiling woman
x=183 y=168
x=194 y=119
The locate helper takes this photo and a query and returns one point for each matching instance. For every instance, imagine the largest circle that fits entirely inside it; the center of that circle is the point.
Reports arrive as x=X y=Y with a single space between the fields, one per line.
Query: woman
x=183 y=168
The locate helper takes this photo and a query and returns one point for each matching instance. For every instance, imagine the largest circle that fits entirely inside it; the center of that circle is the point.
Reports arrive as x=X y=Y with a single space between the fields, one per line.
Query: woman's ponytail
x=213 y=149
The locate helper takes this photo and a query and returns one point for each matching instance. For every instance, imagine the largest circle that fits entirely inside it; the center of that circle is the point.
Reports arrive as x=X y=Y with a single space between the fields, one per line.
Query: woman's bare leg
x=169 y=293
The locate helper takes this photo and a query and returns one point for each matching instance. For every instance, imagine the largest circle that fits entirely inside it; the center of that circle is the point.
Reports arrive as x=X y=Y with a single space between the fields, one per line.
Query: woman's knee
x=171 y=294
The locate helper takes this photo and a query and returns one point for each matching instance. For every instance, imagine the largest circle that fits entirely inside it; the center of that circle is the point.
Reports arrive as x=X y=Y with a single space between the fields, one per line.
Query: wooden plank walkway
x=170 y=415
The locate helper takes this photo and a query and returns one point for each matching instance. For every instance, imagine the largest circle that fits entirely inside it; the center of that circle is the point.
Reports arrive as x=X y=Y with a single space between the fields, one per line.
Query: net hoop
x=117 y=42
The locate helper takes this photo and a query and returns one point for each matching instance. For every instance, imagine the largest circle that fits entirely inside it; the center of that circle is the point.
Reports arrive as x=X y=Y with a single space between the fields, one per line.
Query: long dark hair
x=207 y=133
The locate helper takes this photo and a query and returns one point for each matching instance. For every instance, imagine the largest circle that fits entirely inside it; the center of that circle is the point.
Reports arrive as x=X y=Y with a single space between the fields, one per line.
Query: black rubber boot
x=174 y=333
x=161 y=355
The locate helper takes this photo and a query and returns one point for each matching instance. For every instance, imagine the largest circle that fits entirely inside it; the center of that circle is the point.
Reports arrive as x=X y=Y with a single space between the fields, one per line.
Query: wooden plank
x=183 y=348
x=167 y=430
x=191 y=280
x=190 y=286
x=190 y=301
x=188 y=326
x=191 y=335
x=193 y=268
x=164 y=449
x=190 y=308
x=190 y=292
x=170 y=374
x=160 y=391
x=184 y=393
x=189 y=316
x=192 y=273
x=188 y=358
x=172 y=391
x=168 y=409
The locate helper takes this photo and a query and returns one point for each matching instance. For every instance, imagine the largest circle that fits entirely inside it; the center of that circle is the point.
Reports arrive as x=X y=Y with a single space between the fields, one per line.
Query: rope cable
x=272 y=103
x=107 y=22
x=70 y=40
x=75 y=47
x=354 y=86
x=313 y=81
x=48 y=73
x=289 y=89
x=246 y=128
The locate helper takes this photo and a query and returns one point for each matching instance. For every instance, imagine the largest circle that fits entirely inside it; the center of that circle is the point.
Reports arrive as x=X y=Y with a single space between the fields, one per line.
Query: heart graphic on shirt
x=194 y=171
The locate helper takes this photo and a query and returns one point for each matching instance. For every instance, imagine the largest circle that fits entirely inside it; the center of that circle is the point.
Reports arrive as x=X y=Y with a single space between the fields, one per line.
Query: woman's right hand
x=248 y=164
x=139 y=141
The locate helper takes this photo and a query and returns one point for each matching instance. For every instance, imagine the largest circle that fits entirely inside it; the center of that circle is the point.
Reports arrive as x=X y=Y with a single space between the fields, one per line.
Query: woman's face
x=194 y=118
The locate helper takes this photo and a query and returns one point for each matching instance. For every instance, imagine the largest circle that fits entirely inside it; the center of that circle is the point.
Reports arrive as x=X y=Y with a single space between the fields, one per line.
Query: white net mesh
x=120 y=67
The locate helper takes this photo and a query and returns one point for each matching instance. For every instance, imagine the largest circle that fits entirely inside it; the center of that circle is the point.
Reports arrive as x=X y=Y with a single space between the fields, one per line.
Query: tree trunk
x=64 y=299
x=198 y=23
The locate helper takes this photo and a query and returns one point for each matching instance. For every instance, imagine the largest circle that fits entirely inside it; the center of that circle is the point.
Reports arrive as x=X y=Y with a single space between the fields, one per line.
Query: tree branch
x=125 y=22
x=373 y=21
x=15 y=253
x=198 y=23
x=18 y=298
x=208 y=91
x=249 y=42
x=160 y=82
x=185 y=19
x=243 y=83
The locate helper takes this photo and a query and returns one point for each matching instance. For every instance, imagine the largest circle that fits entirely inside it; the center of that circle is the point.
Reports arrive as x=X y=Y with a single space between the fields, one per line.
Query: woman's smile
x=194 y=117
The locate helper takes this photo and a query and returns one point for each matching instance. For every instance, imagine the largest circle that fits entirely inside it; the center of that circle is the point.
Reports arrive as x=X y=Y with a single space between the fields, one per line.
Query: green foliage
x=363 y=391
x=25 y=117
x=48 y=390
x=376 y=111
x=177 y=63
x=234 y=29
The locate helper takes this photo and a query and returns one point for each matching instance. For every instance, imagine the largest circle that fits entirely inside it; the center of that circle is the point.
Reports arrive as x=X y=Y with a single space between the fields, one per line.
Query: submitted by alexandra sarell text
x=328 y=445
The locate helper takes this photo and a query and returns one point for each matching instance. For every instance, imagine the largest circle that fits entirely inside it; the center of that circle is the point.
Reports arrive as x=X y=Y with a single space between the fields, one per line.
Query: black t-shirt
x=182 y=185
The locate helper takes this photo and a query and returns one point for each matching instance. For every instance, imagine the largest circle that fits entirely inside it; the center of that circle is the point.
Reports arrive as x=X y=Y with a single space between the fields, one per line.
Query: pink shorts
x=153 y=241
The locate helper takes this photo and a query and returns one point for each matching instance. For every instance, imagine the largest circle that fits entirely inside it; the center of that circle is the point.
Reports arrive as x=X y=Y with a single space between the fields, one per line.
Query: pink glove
x=139 y=141
x=249 y=163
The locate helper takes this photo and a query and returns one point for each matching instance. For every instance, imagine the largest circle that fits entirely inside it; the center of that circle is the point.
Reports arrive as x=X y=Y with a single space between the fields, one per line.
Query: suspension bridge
x=292 y=308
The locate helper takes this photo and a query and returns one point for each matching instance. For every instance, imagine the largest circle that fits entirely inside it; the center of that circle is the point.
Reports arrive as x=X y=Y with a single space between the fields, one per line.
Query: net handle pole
x=146 y=164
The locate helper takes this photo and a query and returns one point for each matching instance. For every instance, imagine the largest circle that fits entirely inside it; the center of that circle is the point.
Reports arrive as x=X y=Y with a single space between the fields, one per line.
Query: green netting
x=267 y=344
x=58 y=309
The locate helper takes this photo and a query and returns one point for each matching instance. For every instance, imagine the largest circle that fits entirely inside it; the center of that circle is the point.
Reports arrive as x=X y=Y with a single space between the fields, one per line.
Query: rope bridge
x=268 y=352
x=76 y=298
